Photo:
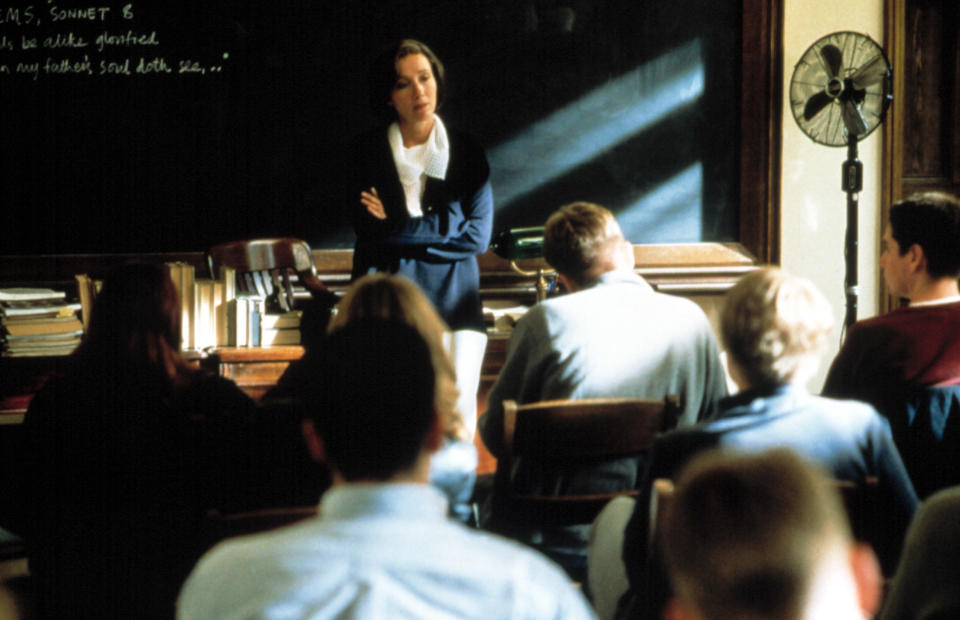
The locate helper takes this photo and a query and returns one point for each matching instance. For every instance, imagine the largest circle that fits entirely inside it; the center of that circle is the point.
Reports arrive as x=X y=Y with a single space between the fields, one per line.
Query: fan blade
x=815 y=104
x=870 y=73
x=834 y=59
x=852 y=119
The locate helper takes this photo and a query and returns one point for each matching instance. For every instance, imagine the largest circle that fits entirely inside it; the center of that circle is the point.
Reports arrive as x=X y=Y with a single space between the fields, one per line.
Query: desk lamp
x=515 y=244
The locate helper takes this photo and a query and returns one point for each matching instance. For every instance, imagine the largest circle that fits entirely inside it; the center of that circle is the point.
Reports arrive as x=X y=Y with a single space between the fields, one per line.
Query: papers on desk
x=503 y=319
x=26 y=294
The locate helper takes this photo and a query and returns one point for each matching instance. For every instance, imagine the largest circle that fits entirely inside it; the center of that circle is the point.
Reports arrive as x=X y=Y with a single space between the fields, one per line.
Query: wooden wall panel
x=921 y=147
x=929 y=90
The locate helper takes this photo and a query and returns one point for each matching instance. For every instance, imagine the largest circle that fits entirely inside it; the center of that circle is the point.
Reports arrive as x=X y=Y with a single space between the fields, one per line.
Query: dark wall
x=234 y=112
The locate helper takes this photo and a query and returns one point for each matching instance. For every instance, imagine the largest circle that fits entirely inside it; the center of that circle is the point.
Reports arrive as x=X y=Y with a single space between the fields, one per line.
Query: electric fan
x=839 y=93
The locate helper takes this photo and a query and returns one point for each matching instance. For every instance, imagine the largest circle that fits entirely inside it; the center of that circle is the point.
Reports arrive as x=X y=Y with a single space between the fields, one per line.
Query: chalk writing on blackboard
x=45 y=41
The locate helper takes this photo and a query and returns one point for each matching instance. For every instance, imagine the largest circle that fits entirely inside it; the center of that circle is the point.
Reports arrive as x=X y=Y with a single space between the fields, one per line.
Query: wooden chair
x=13 y=556
x=265 y=266
x=859 y=502
x=568 y=430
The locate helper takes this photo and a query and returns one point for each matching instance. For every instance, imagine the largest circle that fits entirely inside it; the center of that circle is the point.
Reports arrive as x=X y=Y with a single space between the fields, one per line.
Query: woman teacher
x=422 y=204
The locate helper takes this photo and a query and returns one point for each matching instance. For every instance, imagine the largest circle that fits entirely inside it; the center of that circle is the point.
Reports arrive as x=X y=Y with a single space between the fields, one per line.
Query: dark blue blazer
x=437 y=251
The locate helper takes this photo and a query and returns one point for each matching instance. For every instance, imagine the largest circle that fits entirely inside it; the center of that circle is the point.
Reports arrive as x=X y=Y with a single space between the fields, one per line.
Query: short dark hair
x=932 y=221
x=743 y=534
x=577 y=236
x=373 y=398
x=383 y=75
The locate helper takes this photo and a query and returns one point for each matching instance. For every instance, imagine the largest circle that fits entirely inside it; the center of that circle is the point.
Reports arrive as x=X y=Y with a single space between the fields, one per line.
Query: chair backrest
x=572 y=430
x=858 y=500
x=264 y=267
x=861 y=501
x=87 y=289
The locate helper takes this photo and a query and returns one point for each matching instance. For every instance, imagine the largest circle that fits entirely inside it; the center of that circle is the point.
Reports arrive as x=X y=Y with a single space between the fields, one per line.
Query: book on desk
x=38 y=322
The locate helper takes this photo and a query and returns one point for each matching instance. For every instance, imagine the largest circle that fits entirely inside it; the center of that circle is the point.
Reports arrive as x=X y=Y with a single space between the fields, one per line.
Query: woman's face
x=414 y=94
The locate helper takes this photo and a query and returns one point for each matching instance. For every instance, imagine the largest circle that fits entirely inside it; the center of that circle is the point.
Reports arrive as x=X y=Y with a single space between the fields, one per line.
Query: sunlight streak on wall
x=671 y=211
x=596 y=123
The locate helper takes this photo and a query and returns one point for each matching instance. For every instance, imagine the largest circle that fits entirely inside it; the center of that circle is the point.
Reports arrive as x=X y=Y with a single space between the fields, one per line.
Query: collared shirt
x=617 y=338
x=935 y=302
x=415 y=164
x=378 y=551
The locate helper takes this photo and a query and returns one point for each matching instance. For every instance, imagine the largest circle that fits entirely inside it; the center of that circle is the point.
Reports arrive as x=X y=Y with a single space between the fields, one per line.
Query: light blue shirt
x=617 y=338
x=377 y=551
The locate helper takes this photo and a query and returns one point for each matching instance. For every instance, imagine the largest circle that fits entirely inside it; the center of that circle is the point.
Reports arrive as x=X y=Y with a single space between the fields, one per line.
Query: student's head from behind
x=136 y=318
x=774 y=327
x=582 y=241
x=928 y=223
x=392 y=297
x=383 y=76
x=763 y=536
x=372 y=403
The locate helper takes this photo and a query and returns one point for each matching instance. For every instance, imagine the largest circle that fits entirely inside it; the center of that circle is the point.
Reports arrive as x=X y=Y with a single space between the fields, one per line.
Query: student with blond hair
x=384 y=296
x=774 y=326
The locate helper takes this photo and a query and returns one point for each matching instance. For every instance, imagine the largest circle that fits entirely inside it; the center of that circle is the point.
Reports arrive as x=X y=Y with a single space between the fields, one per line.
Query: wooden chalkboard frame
x=760 y=122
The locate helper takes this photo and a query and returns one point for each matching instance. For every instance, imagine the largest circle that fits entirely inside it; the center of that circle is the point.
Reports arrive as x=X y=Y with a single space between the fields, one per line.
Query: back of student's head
x=373 y=398
x=135 y=321
x=136 y=299
x=393 y=297
x=744 y=536
x=775 y=326
x=580 y=239
x=932 y=221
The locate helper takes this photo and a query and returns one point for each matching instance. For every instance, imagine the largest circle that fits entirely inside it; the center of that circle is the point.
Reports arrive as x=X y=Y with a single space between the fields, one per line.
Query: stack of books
x=38 y=322
x=204 y=306
x=214 y=313
x=248 y=325
x=277 y=329
x=242 y=321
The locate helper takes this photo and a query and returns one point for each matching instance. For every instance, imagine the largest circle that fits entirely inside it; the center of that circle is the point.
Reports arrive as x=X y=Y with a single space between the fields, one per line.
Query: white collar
x=398 y=499
x=935 y=302
x=436 y=159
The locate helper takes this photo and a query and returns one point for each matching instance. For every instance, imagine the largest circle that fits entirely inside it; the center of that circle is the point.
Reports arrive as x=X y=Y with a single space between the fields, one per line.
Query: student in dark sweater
x=917 y=345
x=906 y=363
x=128 y=449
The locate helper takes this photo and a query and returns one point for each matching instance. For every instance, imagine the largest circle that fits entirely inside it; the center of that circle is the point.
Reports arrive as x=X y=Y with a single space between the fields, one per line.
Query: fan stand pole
x=852 y=184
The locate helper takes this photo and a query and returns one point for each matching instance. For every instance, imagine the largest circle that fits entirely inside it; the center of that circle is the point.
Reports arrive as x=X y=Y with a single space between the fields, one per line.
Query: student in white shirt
x=382 y=546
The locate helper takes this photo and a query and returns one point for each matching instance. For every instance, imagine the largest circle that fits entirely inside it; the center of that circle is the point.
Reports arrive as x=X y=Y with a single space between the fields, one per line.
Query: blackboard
x=170 y=126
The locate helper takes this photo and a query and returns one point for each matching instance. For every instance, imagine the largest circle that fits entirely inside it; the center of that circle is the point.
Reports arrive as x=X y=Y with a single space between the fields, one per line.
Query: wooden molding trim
x=894 y=35
x=683 y=268
x=760 y=124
